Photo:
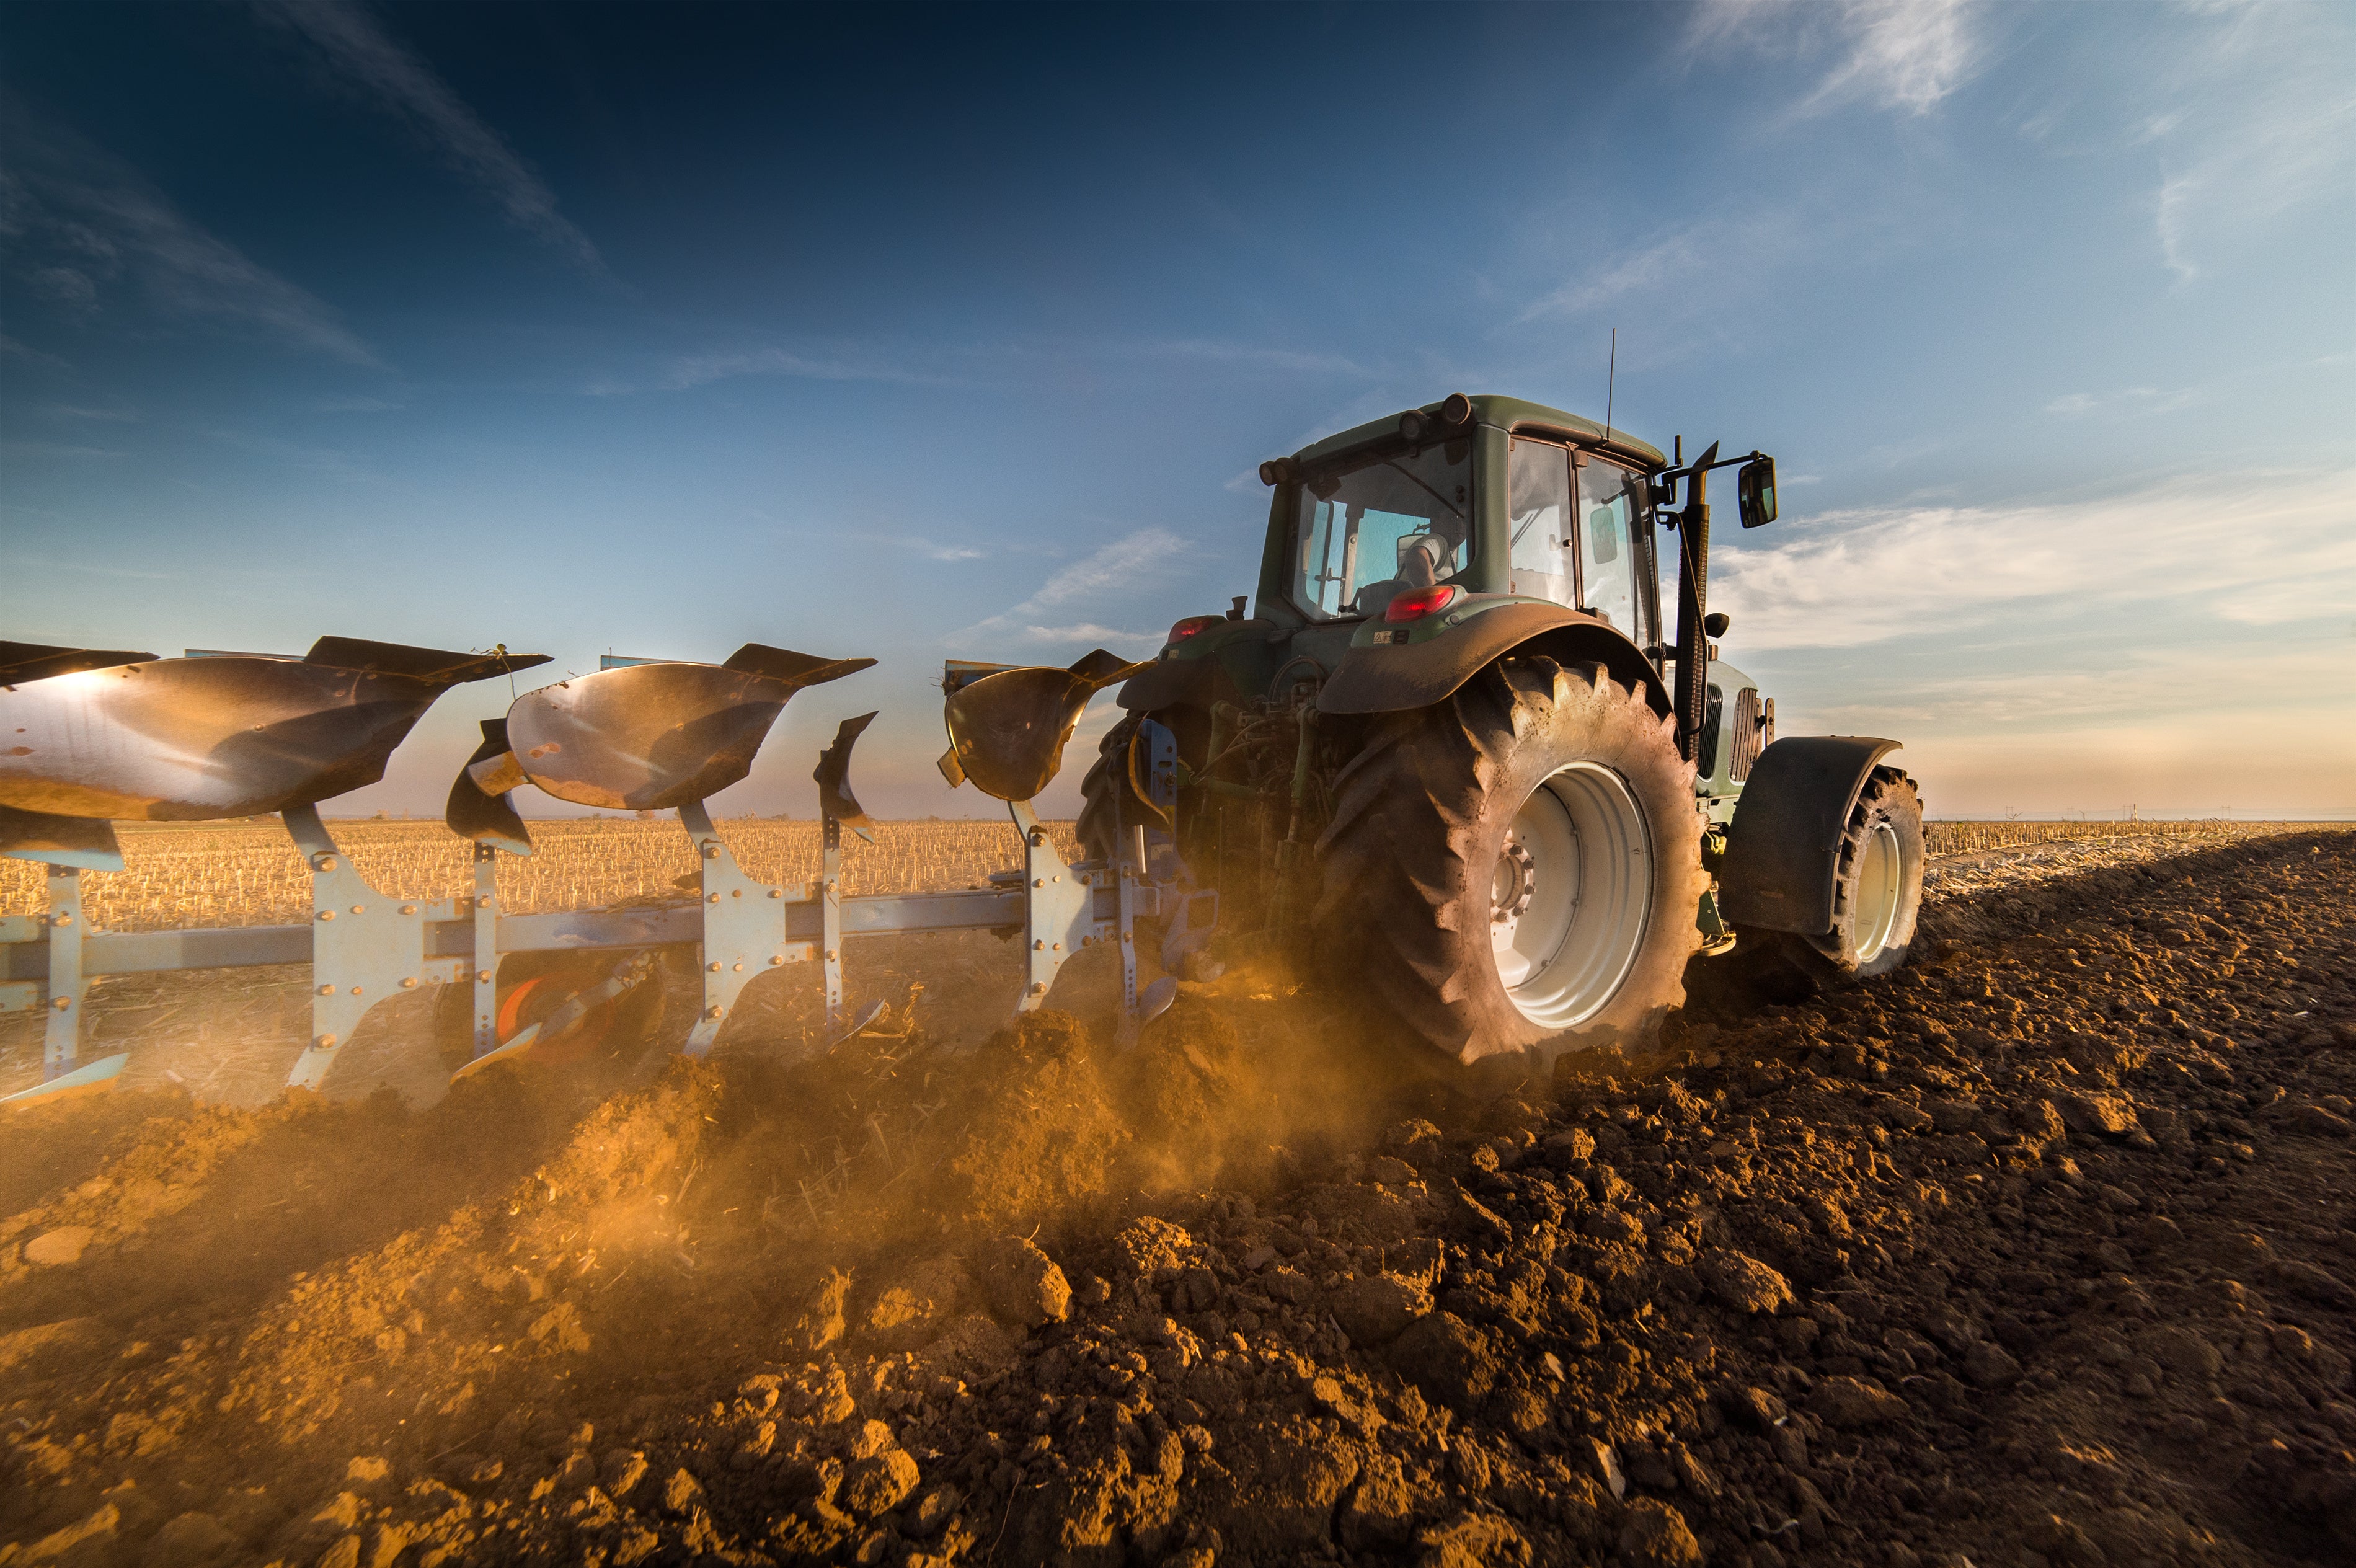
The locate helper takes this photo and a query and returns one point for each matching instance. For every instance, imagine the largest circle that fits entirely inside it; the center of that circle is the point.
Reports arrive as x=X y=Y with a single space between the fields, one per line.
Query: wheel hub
x=1515 y=884
x=1570 y=897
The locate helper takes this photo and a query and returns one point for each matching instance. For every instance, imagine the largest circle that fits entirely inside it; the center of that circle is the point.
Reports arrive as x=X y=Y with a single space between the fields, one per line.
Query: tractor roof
x=1507 y=414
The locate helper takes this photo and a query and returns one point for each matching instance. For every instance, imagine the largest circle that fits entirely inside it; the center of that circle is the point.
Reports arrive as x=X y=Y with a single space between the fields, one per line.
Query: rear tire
x=1516 y=867
x=1878 y=890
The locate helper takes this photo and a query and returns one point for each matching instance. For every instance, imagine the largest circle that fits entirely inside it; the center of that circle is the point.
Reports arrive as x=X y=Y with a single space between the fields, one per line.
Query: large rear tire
x=1517 y=867
x=1877 y=889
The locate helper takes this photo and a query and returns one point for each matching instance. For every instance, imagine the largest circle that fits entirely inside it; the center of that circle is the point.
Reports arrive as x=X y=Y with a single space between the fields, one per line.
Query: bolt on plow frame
x=107 y=735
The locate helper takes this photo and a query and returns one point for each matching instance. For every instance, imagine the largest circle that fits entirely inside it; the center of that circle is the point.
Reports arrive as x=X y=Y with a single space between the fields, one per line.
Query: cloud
x=73 y=209
x=1113 y=569
x=2253 y=114
x=2130 y=403
x=972 y=364
x=52 y=449
x=1900 y=55
x=701 y=369
x=2254 y=549
x=11 y=348
x=409 y=89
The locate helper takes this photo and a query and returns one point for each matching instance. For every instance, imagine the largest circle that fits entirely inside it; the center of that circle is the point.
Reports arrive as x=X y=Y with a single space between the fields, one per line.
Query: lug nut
x=712 y=898
x=738 y=967
x=712 y=1012
x=326 y=990
x=326 y=914
x=62 y=1004
x=776 y=959
x=482 y=977
x=713 y=966
x=323 y=1043
x=355 y=908
x=409 y=982
x=63 y=920
x=409 y=909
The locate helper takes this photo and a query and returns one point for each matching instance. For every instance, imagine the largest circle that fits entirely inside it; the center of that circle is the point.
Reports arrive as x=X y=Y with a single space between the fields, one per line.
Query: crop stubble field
x=2038 y=1253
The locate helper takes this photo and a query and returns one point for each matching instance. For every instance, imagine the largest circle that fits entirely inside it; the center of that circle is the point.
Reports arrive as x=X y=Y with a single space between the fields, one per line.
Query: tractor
x=1455 y=760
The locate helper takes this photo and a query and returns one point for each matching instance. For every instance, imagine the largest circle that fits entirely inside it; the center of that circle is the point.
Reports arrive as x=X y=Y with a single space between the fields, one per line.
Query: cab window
x=1370 y=526
x=1537 y=521
x=1609 y=544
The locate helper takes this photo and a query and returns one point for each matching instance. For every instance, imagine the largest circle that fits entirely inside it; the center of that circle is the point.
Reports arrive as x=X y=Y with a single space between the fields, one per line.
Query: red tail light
x=1190 y=625
x=1417 y=603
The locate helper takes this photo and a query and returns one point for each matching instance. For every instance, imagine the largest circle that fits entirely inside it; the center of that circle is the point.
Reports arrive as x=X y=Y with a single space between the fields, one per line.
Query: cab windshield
x=1371 y=526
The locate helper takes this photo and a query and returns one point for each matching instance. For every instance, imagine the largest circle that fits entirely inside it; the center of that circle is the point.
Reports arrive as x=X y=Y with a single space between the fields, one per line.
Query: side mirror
x=1757 y=486
x=1715 y=622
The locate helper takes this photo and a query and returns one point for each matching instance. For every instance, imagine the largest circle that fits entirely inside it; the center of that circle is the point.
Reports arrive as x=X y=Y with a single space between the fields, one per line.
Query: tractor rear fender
x=1383 y=678
x=1784 y=848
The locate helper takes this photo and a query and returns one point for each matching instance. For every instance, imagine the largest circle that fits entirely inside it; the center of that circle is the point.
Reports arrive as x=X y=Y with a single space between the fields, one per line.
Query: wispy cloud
x=1114 y=569
x=2254 y=114
x=1857 y=578
x=56 y=449
x=995 y=363
x=2130 y=402
x=1900 y=55
x=74 y=209
x=700 y=370
x=12 y=349
x=406 y=87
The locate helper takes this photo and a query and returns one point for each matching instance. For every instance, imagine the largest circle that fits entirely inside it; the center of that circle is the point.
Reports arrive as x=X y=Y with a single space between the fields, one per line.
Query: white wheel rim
x=1880 y=876
x=1570 y=895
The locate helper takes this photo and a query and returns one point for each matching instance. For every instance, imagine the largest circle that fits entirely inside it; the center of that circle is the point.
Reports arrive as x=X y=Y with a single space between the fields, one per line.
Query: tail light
x=1192 y=626
x=1417 y=603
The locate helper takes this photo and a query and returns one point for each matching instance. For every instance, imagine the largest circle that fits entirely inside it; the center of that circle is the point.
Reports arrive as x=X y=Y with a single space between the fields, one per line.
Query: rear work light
x=1192 y=626
x=1417 y=603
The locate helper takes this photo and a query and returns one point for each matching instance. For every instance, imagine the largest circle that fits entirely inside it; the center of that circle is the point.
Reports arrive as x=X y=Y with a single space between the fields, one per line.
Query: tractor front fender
x=1383 y=678
x=1782 y=853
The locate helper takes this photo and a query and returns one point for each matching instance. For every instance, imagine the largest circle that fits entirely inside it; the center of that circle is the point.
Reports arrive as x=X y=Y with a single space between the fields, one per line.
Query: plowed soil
x=2039 y=1253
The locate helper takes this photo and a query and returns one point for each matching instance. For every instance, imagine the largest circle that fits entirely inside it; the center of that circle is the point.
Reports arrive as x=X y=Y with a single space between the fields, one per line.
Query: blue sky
x=921 y=334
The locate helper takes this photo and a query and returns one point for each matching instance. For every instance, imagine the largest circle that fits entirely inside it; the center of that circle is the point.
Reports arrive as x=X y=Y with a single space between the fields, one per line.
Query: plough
x=96 y=736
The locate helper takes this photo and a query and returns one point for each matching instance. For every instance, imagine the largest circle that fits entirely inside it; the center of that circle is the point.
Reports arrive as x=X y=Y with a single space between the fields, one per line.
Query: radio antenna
x=1610 y=380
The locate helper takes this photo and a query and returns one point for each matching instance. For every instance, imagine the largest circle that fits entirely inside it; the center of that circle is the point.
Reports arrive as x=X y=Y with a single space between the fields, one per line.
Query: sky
x=918 y=334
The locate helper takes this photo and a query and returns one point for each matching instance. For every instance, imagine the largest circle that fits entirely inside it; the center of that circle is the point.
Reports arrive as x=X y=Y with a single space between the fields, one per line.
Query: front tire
x=1516 y=867
x=1878 y=888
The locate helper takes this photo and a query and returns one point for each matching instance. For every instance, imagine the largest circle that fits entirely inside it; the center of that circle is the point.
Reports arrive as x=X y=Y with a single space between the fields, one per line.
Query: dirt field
x=2040 y=1252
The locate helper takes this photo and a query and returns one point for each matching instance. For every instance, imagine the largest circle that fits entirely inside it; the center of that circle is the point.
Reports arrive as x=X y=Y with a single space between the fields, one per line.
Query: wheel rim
x=1878 y=878
x=1570 y=895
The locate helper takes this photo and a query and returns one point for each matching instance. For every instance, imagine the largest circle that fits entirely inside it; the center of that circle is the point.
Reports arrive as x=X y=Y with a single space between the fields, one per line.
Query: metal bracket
x=67 y=986
x=365 y=947
x=1058 y=908
x=744 y=928
x=485 y=909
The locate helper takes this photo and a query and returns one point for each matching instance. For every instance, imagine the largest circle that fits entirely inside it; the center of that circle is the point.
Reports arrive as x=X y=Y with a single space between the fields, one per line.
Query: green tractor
x=1455 y=759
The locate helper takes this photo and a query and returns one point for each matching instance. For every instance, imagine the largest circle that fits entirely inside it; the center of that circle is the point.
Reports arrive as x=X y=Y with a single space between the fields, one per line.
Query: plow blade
x=23 y=661
x=98 y=1077
x=87 y=843
x=1009 y=724
x=474 y=812
x=643 y=738
x=835 y=800
x=209 y=736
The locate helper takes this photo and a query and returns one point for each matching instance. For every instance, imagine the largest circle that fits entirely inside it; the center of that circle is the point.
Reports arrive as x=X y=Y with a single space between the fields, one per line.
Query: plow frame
x=363 y=947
